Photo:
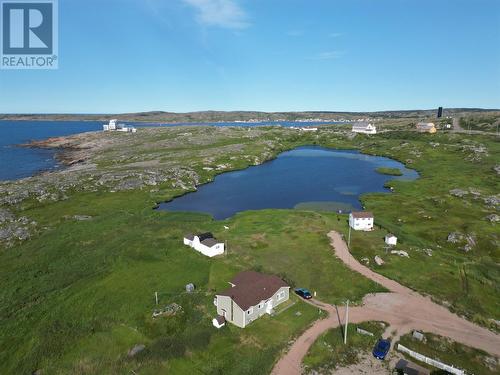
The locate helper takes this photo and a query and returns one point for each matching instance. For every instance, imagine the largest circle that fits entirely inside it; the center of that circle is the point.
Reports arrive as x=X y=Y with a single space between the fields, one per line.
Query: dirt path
x=404 y=309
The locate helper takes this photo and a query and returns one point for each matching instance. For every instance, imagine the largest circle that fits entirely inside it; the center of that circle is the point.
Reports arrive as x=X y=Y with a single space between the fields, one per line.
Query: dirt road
x=404 y=309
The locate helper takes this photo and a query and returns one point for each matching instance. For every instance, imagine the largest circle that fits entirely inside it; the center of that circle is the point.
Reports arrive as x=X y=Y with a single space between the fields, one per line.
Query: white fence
x=431 y=361
x=364 y=332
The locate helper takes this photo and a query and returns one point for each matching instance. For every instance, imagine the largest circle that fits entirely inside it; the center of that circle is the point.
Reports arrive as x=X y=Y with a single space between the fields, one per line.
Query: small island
x=390 y=171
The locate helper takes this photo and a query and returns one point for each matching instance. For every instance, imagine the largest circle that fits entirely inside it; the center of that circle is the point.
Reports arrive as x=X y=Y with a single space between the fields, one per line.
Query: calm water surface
x=305 y=177
x=17 y=162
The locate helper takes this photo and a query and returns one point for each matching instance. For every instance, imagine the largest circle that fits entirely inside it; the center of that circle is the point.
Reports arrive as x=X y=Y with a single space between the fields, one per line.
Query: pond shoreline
x=344 y=195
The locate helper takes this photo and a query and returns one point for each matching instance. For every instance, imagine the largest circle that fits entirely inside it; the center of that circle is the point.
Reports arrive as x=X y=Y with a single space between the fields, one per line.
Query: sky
x=119 y=56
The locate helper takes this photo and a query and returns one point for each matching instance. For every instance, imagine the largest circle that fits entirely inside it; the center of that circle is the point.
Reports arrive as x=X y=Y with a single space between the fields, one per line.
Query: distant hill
x=221 y=116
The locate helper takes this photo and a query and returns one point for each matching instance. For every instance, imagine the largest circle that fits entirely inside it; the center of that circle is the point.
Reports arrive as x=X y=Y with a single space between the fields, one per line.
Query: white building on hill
x=364 y=127
x=113 y=126
x=362 y=220
x=205 y=243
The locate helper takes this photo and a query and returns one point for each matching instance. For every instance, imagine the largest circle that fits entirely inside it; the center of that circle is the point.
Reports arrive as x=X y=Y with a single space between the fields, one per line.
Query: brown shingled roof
x=362 y=214
x=252 y=287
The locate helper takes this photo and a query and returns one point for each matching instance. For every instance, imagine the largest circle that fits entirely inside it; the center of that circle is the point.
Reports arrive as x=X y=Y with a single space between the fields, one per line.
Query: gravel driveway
x=405 y=310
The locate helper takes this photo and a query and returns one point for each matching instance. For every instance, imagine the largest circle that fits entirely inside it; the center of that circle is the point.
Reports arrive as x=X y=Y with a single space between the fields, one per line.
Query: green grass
x=329 y=352
x=442 y=349
x=77 y=298
x=79 y=295
x=390 y=171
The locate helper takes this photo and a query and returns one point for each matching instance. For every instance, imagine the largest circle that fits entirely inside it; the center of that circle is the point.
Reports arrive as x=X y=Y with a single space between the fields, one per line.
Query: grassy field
x=440 y=348
x=81 y=295
x=486 y=122
x=78 y=295
x=329 y=352
x=390 y=171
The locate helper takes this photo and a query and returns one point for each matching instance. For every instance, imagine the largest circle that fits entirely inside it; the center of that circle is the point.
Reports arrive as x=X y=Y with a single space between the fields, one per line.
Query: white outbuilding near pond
x=205 y=243
x=391 y=239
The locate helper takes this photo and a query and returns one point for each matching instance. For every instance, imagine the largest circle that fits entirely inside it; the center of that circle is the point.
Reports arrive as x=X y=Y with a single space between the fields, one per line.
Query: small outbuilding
x=391 y=239
x=205 y=243
x=219 y=321
x=364 y=127
x=361 y=220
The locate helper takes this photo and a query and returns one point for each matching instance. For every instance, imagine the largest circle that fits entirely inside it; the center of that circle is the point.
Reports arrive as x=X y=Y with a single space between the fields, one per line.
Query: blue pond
x=307 y=177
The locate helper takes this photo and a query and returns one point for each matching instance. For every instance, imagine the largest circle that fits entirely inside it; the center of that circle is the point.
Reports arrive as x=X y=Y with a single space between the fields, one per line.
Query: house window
x=281 y=295
x=261 y=305
x=250 y=311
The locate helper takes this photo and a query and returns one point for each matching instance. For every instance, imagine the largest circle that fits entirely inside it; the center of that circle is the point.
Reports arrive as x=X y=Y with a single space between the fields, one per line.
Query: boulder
x=401 y=253
x=494 y=218
x=459 y=193
x=136 y=350
x=455 y=237
x=6 y=216
x=379 y=260
x=428 y=252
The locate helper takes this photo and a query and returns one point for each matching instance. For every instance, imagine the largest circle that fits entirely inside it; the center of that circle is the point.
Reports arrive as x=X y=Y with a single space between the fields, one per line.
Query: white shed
x=391 y=239
x=364 y=127
x=205 y=243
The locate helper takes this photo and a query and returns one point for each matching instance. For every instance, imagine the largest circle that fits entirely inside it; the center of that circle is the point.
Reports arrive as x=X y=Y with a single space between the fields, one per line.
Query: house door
x=269 y=306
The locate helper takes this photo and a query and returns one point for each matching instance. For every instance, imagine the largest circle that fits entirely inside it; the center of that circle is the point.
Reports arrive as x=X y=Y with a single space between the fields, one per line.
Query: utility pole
x=156 y=297
x=346 y=322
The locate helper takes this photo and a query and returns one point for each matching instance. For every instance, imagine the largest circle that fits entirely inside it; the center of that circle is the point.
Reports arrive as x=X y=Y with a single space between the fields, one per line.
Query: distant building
x=364 y=127
x=426 y=127
x=362 y=220
x=440 y=112
x=305 y=129
x=113 y=126
x=391 y=239
x=251 y=295
x=205 y=243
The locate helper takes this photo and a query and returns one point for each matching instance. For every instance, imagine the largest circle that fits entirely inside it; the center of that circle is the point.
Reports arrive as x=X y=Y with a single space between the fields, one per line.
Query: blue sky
x=270 y=55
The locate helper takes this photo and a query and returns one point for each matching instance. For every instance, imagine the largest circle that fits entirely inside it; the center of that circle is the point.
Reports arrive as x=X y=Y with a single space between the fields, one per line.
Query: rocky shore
x=176 y=158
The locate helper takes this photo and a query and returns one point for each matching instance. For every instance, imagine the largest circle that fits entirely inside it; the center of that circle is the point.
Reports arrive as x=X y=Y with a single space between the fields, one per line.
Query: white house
x=205 y=243
x=251 y=295
x=362 y=220
x=113 y=126
x=391 y=239
x=364 y=127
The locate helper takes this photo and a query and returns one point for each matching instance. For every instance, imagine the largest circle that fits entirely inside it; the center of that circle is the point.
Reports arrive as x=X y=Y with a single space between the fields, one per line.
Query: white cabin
x=391 y=239
x=361 y=220
x=204 y=243
x=114 y=126
x=364 y=127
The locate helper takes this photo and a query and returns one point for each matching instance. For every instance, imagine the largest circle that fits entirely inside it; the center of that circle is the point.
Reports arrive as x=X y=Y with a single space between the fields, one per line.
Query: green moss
x=390 y=171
